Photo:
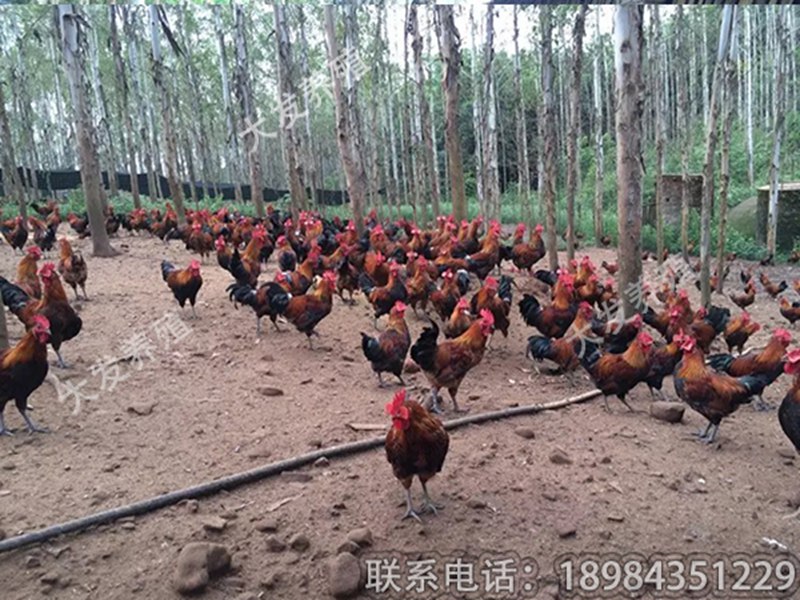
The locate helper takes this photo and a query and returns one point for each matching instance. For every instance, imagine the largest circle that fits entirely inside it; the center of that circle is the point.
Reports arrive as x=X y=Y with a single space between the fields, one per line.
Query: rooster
x=224 y=253
x=415 y=445
x=771 y=288
x=184 y=283
x=789 y=412
x=23 y=368
x=523 y=255
x=65 y=323
x=713 y=395
x=287 y=259
x=459 y=321
x=790 y=310
x=746 y=298
x=739 y=330
x=662 y=360
x=383 y=298
x=446 y=364
x=419 y=285
x=200 y=241
x=15 y=233
x=611 y=268
x=768 y=362
x=387 y=354
x=554 y=320
x=445 y=298
x=27 y=279
x=304 y=312
x=73 y=268
x=616 y=374
x=497 y=299
x=346 y=277
x=44 y=236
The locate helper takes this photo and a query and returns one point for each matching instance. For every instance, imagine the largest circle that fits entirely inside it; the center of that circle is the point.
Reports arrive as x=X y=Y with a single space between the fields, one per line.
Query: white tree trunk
x=599 y=158
x=523 y=169
x=490 y=162
x=547 y=176
x=573 y=159
x=477 y=111
x=778 y=111
x=748 y=37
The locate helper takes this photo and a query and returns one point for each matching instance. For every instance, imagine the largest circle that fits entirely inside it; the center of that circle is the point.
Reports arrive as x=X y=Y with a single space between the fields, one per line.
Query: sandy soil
x=198 y=411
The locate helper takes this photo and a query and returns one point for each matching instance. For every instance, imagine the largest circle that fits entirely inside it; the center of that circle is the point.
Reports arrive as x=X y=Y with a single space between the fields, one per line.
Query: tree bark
x=547 y=180
x=477 y=111
x=449 y=46
x=629 y=90
x=748 y=42
x=310 y=156
x=725 y=166
x=107 y=143
x=599 y=158
x=489 y=121
x=73 y=46
x=660 y=131
x=123 y=110
x=349 y=150
x=778 y=111
x=523 y=170
x=11 y=181
x=728 y=18
x=574 y=123
x=684 y=126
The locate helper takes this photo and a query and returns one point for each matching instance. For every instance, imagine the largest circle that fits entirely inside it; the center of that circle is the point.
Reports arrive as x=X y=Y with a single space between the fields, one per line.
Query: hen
x=73 y=268
x=184 y=283
x=417 y=445
x=446 y=364
x=387 y=354
x=23 y=369
x=713 y=395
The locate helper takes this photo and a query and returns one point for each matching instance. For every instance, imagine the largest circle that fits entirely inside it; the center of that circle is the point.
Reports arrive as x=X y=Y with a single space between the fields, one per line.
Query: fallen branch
x=259 y=473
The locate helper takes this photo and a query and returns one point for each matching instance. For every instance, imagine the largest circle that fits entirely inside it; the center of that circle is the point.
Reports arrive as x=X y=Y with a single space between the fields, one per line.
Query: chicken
x=459 y=321
x=487 y=258
x=304 y=312
x=287 y=259
x=257 y=299
x=15 y=233
x=523 y=255
x=200 y=241
x=794 y=257
x=616 y=374
x=383 y=298
x=611 y=268
x=497 y=299
x=387 y=354
x=44 y=236
x=605 y=241
x=224 y=253
x=707 y=325
x=80 y=225
x=616 y=334
x=789 y=411
x=662 y=360
x=554 y=320
x=739 y=330
x=184 y=283
x=246 y=267
x=346 y=276
x=445 y=298
x=420 y=286
x=771 y=288
x=446 y=364
x=713 y=395
x=560 y=351
x=746 y=298
x=415 y=445
x=796 y=286
x=65 y=323
x=790 y=311
x=768 y=362
x=23 y=368
x=27 y=279
x=73 y=268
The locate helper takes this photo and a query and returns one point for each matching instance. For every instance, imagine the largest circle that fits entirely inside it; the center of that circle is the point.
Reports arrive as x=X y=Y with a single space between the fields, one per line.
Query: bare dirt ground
x=197 y=411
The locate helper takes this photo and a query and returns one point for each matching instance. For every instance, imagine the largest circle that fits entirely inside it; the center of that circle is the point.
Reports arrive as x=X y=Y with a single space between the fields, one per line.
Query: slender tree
x=11 y=179
x=523 y=168
x=449 y=46
x=489 y=121
x=728 y=18
x=73 y=45
x=749 y=60
x=660 y=131
x=349 y=149
x=599 y=157
x=629 y=90
x=477 y=111
x=574 y=125
x=547 y=179
x=778 y=112
x=684 y=126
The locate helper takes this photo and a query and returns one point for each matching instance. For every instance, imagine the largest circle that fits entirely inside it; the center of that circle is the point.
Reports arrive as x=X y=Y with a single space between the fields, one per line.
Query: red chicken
x=739 y=330
x=23 y=369
x=554 y=320
x=713 y=395
x=415 y=445
x=523 y=255
x=15 y=233
x=383 y=298
x=446 y=364
x=184 y=283
x=459 y=321
x=304 y=312
x=73 y=268
x=387 y=354
x=27 y=279
x=789 y=412
x=497 y=299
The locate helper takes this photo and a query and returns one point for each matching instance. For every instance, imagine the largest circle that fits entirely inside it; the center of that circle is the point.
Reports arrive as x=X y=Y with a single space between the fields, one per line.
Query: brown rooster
x=73 y=268
x=387 y=353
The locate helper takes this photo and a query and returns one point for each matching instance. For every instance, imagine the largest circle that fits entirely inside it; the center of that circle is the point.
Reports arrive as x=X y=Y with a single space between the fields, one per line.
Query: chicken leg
x=709 y=435
x=3 y=430
x=428 y=505
x=60 y=363
x=410 y=512
x=761 y=405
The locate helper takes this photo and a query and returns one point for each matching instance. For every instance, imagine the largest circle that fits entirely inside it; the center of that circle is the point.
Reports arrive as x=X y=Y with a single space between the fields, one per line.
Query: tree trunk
x=73 y=45
x=660 y=109
x=11 y=181
x=449 y=45
x=232 y=146
x=523 y=170
x=547 y=179
x=477 y=111
x=599 y=158
x=574 y=124
x=629 y=89
x=728 y=18
x=349 y=149
x=748 y=42
x=123 y=110
x=778 y=111
x=107 y=143
x=684 y=126
x=489 y=121
x=310 y=155
x=725 y=167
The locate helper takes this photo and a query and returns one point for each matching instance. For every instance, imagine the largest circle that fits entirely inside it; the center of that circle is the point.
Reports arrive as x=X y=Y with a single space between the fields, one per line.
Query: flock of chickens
x=396 y=266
